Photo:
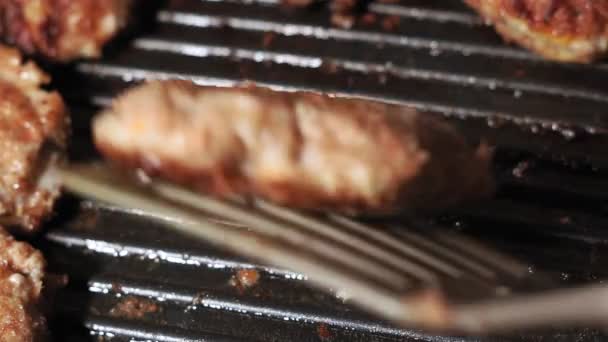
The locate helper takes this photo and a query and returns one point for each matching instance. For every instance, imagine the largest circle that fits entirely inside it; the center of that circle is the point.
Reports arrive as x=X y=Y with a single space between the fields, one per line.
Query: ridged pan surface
x=133 y=279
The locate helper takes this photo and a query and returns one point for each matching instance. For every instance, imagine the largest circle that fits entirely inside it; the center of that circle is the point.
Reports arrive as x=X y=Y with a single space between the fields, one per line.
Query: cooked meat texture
x=22 y=271
x=303 y=150
x=33 y=128
x=62 y=29
x=562 y=30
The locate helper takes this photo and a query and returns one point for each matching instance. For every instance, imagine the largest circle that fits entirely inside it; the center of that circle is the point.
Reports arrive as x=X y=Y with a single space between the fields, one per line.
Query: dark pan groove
x=433 y=55
x=322 y=32
x=547 y=120
x=424 y=94
x=420 y=10
x=117 y=240
x=116 y=328
x=372 y=64
x=193 y=299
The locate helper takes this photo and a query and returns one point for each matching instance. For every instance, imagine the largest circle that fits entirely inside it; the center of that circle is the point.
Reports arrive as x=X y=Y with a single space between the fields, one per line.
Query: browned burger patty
x=61 y=29
x=298 y=149
x=33 y=129
x=21 y=282
x=563 y=30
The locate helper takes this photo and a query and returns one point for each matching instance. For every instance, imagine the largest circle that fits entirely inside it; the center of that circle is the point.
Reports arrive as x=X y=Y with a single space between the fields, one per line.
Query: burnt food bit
x=244 y=279
x=132 y=307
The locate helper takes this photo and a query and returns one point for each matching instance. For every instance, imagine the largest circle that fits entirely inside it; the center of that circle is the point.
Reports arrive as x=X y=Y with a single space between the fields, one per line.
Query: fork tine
x=497 y=260
x=457 y=258
x=287 y=231
x=424 y=310
x=334 y=232
x=264 y=225
x=400 y=245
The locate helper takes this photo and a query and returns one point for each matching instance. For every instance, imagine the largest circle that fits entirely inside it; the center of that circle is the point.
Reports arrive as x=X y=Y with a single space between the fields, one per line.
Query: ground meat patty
x=298 y=149
x=563 y=30
x=62 y=29
x=21 y=282
x=33 y=128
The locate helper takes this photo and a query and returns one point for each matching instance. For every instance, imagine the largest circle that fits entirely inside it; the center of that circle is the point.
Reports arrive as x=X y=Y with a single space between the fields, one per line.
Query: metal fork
x=428 y=279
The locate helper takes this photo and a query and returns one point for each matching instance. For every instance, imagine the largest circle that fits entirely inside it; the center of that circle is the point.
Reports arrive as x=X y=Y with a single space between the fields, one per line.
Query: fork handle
x=569 y=307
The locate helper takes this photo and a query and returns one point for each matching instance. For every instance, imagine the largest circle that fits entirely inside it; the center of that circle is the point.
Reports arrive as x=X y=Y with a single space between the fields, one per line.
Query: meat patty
x=300 y=149
x=22 y=271
x=33 y=133
x=62 y=29
x=562 y=30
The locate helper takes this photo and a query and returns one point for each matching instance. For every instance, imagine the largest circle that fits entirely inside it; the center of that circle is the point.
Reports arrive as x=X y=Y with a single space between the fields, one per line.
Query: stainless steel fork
x=417 y=278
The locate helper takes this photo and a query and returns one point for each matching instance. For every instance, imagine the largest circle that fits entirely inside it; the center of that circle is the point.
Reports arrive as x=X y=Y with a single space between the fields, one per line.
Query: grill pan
x=546 y=120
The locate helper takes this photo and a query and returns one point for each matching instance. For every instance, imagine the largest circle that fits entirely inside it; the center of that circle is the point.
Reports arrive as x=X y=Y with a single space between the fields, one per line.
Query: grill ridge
x=547 y=120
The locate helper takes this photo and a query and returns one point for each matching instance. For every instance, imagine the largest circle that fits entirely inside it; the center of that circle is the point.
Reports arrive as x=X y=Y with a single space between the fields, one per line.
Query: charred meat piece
x=22 y=271
x=562 y=30
x=62 y=29
x=33 y=129
x=302 y=150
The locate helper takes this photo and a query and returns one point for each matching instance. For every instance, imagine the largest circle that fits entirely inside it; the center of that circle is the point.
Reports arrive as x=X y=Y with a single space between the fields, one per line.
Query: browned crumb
x=132 y=307
x=323 y=331
x=245 y=279
x=248 y=277
x=330 y=67
x=343 y=20
x=268 y=39
x=369 y=18
x=391 y=23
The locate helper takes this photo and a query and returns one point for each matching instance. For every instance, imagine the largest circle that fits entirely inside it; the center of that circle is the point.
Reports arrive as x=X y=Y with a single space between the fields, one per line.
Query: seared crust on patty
x=22 y=272
x=33 y=134
x=62 y=29
x=562 y=30
x=300 y=149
